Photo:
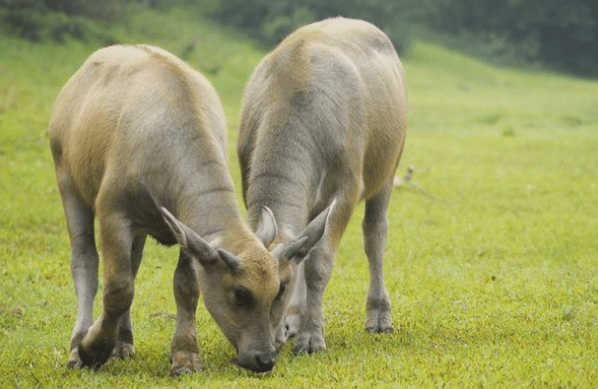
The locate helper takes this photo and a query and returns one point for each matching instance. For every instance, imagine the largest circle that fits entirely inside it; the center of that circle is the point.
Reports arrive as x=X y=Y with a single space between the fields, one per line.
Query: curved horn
x=232 y=261
x=189 y=239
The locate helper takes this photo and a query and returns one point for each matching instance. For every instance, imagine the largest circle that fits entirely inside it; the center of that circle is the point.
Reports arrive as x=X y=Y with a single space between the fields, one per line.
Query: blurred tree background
x=55 y=20
x=559 y=34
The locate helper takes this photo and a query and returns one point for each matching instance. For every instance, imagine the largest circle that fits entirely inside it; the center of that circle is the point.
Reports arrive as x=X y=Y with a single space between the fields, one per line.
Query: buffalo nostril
x=265 y=361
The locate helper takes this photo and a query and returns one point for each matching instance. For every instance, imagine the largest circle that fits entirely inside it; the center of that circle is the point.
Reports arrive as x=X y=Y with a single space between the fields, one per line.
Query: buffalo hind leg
x=124 y=346
x=84 y=264
x=184 y=349
x=375 y=227
x=117 y=241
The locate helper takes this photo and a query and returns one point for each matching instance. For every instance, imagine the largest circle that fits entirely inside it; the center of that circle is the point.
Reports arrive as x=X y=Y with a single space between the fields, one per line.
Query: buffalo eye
x=244 y=298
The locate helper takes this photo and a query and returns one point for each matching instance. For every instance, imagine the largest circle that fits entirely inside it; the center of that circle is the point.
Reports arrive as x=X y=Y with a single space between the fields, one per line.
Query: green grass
x=492 y=255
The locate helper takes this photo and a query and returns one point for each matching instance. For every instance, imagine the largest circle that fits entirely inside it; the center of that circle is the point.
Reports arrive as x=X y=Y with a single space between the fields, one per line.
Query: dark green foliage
x=559 y=34
x=44 y=20
x=562 y=34
x=270 y=21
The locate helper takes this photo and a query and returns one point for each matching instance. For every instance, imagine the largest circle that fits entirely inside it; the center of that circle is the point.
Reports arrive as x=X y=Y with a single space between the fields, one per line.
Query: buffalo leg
x=317 y=270
x=375 y=227
x=124 y=346
x=184 y=350
x=84 y=264
x=296 y=308
x=117 y=241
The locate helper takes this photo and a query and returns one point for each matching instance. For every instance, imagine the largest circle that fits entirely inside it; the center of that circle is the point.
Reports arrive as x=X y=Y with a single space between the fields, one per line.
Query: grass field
x=491 y=264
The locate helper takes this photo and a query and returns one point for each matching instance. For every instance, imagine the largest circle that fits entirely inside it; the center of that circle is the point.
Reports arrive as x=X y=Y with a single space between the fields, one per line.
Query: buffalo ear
x=301 y=245
x=189 y=239
x=266 y=229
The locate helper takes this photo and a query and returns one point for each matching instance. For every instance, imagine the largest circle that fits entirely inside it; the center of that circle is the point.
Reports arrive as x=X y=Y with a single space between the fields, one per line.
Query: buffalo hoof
x=74 y=360
x=379 y=323
x=96 y=358
x=122 y=350
x=380 y=330
x=309 y=343
x=379 y=319
x=184 y=363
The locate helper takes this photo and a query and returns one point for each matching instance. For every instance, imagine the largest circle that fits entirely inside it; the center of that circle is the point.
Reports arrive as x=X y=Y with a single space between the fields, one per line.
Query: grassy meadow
x=491 y=263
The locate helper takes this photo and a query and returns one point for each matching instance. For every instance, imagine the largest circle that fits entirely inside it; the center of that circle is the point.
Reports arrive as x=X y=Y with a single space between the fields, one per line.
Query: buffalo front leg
x=124 y=346
x=101 y=338
x=296 y=308
x=184 y=350
x=317 y=270
x=84 y=265
x=375 y=228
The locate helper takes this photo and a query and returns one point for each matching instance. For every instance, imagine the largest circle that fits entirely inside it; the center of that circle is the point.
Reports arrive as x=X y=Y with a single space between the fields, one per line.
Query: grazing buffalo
x=139 y=142
x=323 y=125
